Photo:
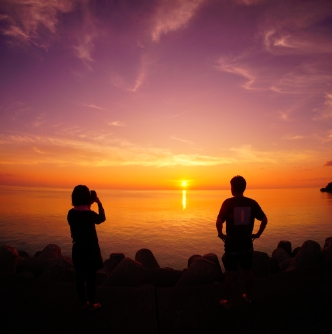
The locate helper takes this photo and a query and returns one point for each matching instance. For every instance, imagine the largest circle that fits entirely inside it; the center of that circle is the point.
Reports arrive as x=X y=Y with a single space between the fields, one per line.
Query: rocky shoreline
x=120 y=270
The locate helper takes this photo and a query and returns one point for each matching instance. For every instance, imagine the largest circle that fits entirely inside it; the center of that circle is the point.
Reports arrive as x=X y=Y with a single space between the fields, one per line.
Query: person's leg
x=249 y=276
x=231 y=267
x=91 y=286
x=78 y=261
x=229 y=285
x=80 y=288
x=246 y=264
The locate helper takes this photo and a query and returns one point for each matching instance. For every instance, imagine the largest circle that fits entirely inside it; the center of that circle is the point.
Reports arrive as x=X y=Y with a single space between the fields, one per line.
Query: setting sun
x=184 y=183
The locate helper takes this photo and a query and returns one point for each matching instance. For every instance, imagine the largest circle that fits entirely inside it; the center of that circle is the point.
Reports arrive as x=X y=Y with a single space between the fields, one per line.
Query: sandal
x=94 y=307
x=226 y=304
x=246 y=299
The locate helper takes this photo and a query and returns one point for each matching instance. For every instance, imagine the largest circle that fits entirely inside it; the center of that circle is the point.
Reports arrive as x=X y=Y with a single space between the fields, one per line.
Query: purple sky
x=145 y=93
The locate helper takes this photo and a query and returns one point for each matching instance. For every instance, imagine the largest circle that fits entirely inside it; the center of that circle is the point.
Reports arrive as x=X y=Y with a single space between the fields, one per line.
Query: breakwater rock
x=119 y=270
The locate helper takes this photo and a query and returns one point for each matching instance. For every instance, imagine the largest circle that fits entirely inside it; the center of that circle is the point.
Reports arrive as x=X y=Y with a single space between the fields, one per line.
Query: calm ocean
x=173 y=224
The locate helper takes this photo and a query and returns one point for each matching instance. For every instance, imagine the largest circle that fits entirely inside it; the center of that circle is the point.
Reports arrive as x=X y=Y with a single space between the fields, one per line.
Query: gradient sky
x=142 y=94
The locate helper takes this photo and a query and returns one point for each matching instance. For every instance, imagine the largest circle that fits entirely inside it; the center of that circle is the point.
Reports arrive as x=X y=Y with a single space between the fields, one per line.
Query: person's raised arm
x=261 y=229
x=101 y=212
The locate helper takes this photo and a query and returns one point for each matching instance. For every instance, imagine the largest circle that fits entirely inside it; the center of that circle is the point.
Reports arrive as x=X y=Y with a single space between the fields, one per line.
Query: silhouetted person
x=240 y=213
x=86 y=252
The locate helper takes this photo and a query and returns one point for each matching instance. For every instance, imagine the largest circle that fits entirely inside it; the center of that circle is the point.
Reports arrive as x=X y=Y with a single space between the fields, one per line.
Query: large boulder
x=308 y=255
x=111 y=263
x=261 y=264
x=201 y=271
x=128 y=273
x=192 y=259
x=328 y=241
x=146 y=258
x=61 y=270
x=8 y=259
x=327 y=250
x=23 y=254
x=214 y=258
x=281 y=255
x=161 y=277
x=286 y=245
x=295 y=251
x=101 y=277
x=34 y=265
x=274 y=267
x=285 y=264
x=51 y=251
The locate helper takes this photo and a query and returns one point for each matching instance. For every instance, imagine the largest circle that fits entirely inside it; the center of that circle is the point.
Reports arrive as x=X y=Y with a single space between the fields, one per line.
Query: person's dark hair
x=238 y=184
x=81 y=196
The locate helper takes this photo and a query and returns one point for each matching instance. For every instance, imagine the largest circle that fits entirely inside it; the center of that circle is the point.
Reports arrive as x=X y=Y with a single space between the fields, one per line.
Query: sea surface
x=173 y=224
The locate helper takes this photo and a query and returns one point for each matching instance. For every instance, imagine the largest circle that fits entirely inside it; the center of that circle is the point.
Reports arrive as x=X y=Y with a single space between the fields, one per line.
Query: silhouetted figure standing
x=240 y=213
x=85 y=252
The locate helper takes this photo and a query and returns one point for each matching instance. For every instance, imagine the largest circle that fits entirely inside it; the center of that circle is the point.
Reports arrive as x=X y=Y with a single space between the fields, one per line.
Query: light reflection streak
x=184 y=199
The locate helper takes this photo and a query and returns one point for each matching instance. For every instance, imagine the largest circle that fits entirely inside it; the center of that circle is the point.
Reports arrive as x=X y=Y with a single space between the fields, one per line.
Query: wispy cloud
x=172 y=15
x=99 y=150
x=85 y=47
x=182 y=140
x=24 y=18
x=117 y=123
x=296 y=137
x=237 y=66
x=328 y=163
x=132 y=83
x=93 y=106
x=325 y=112
x=96 y=151
x=306 y=78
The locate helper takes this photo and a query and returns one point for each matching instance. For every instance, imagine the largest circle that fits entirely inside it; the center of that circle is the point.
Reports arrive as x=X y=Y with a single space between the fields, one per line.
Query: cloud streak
x=25 y=19
x=103 y=151
x=172 y=15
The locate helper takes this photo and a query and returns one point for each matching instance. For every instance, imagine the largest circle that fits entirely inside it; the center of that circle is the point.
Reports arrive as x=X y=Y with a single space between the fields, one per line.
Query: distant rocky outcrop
x=327 y=189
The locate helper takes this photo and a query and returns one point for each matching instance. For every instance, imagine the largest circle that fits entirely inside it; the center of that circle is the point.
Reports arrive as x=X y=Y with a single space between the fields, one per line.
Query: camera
x=93 y=195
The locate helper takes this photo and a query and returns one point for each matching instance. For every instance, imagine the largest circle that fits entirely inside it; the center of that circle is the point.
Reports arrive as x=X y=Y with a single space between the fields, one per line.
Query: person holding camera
x=85 y=252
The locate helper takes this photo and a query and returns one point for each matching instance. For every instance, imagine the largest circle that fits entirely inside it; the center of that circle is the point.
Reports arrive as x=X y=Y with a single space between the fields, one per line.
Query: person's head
x=81 y=196
x=238 y=185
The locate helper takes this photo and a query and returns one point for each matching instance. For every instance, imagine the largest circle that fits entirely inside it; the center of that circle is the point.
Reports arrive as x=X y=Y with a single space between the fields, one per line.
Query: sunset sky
x=146 y=94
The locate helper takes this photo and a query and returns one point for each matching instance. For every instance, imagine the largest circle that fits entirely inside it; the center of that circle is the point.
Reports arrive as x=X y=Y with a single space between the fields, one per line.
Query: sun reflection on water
x=184 y=199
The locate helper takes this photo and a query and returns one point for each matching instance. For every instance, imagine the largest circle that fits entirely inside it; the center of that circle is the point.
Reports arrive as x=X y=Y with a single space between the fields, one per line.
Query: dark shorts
x=232 y=260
